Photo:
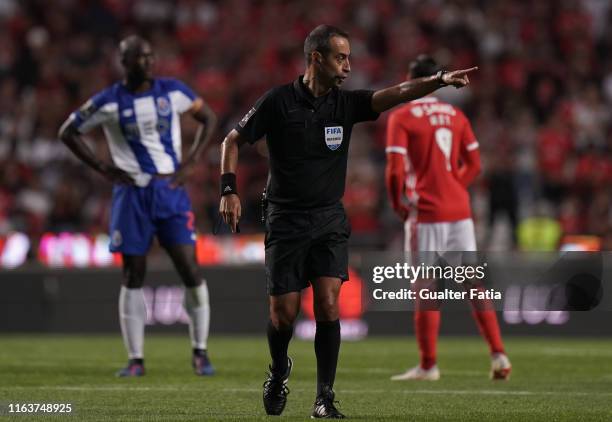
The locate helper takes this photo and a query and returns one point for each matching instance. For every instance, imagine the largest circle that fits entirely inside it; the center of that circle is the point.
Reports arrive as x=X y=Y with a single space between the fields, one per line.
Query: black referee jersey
x=308 y=141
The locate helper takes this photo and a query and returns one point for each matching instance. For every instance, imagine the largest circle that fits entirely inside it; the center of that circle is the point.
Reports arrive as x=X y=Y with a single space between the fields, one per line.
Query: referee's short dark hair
x=318 y=40
x=423 y=65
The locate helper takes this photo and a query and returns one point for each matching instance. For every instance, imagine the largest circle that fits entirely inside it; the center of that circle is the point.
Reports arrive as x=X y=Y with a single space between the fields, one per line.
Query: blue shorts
x=139 y=213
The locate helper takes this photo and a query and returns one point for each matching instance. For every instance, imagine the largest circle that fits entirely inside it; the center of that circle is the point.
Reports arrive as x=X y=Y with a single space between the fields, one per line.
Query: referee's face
x=335 y=66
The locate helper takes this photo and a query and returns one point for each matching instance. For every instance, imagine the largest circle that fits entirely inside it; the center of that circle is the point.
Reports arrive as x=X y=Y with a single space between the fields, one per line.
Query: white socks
x=132 y=317
x=198 y=309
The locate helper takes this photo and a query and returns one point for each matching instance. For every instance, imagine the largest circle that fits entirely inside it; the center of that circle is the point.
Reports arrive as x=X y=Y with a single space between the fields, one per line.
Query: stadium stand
x=539 y=103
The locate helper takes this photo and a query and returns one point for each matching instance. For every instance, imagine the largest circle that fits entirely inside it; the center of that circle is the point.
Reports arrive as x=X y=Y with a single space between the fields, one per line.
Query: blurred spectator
x=572 y=218
x=555 y=147
x=539 y=103
x=541 y=232
x=503 y=199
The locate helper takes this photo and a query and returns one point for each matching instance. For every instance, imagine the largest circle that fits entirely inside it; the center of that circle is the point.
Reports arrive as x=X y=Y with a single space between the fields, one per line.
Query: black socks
x=278 y=341
x=327 y=346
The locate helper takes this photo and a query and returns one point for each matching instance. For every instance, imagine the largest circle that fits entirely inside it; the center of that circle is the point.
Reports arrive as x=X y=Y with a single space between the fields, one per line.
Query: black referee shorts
x=302 y=245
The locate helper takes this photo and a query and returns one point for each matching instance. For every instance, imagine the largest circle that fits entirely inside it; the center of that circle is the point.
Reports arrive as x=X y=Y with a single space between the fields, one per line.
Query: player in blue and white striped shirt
x=140 y=117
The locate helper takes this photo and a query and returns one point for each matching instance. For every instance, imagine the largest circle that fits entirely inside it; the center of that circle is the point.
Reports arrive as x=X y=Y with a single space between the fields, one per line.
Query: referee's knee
x=326 y=308
x=282 y=318
x=281 y=321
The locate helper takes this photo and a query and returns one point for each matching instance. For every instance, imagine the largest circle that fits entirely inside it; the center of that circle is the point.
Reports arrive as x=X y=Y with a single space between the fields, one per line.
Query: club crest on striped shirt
x=163 y=106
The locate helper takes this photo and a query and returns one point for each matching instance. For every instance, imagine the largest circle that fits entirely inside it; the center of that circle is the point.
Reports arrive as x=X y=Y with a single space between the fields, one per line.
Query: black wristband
x=439 y=76
x=228 y=184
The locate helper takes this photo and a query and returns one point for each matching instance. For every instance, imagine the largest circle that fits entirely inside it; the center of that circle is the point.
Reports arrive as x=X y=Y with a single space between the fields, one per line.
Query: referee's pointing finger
x=471 y=69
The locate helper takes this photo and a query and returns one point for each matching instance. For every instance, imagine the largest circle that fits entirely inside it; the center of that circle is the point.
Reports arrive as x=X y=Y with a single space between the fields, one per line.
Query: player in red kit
x=432 y=157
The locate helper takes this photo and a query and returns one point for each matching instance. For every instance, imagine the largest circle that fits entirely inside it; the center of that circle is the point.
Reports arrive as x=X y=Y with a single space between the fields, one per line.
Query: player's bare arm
x=230 y=208
x=201 y=112
x=387 y=98
x=71 y=137
x=470 y=167
x=395 y=177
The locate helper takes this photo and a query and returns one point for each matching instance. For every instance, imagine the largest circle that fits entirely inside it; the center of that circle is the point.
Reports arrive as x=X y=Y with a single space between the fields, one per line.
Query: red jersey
x=441 y=159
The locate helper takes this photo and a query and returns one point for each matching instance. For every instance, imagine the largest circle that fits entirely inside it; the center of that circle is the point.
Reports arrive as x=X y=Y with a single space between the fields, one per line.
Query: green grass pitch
x=552 y=380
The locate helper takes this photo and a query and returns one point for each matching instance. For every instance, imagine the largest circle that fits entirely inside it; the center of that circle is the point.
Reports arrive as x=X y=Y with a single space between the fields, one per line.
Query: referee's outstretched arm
x=387 y=98
x=230 y=207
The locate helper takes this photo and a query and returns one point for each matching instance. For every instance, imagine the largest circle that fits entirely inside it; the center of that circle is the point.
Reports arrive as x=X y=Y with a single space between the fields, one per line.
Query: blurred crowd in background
x=539 y=103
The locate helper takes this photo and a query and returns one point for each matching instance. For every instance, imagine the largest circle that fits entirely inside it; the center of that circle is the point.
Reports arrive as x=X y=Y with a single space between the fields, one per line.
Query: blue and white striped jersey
x=142 y=130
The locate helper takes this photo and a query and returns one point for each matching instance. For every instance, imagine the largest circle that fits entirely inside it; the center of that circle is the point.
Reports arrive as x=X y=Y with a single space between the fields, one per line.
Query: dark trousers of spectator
x=553 y=191
x=503 y=200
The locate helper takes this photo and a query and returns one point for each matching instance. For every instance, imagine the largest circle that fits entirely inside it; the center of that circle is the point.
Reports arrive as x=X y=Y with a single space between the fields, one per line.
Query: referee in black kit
x=307 y=125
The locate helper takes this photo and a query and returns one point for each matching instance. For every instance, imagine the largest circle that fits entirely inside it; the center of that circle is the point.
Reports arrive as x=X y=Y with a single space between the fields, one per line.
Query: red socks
x=489 y=329
x=486 y=319
x=426 y=325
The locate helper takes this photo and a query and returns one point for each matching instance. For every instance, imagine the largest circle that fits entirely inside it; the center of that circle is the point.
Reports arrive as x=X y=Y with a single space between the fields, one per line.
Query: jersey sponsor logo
x=116 y=238
x=333 y=137
x=163 y=106
x=131 y=131
x=148 y=127
x=87 y=109
x=246 y=117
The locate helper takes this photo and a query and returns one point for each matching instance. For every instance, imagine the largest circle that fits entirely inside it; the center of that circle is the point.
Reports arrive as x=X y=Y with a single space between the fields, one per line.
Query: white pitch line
x=559 y=351
x=257 y=390
x=362 y=371
x=451 y=392
x=97 y=388
x=389 y=372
